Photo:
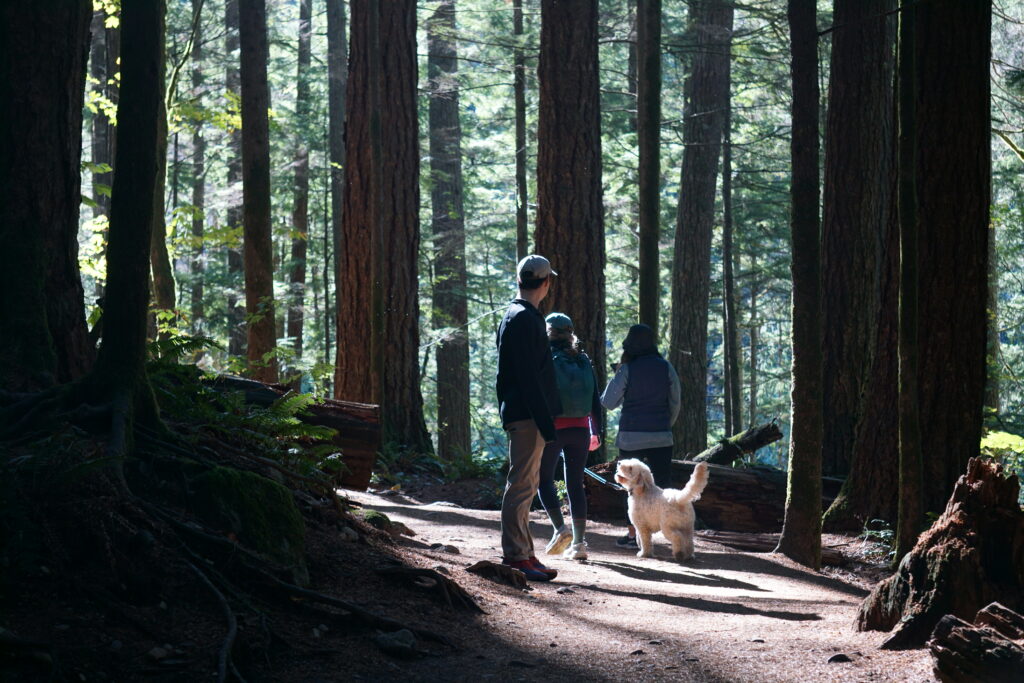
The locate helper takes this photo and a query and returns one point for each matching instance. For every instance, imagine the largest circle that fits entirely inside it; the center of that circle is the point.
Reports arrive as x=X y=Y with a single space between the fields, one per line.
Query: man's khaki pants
x=525 y=445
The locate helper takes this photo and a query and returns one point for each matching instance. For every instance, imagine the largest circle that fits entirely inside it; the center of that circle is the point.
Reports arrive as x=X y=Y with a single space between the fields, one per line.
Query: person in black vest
x=528 y=401
x=647 y=388
x=576 y=427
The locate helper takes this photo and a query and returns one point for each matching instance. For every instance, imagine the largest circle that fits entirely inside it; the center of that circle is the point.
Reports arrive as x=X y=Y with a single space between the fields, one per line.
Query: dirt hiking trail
x=725 y=615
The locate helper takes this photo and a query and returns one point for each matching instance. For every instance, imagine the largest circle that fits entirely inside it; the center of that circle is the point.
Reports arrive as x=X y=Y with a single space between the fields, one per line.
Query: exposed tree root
x=224 y=656
x=448 y=591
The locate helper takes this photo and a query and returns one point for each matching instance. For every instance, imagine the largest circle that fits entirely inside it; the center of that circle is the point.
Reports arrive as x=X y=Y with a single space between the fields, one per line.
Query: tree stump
x=980 y=652
x=971 y=556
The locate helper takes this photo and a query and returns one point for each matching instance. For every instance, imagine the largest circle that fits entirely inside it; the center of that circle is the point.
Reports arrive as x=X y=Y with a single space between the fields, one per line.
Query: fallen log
x=751 y=499
x=357 y=425
x=981 y=652
x=973 y=555
x=764 y=543
x=727 y=451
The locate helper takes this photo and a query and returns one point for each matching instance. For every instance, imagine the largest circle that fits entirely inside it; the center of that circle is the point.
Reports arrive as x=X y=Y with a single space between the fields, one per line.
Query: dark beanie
x=639 y=341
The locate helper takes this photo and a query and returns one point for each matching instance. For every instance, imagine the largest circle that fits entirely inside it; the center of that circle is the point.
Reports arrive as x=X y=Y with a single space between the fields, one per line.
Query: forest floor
x=726 y=615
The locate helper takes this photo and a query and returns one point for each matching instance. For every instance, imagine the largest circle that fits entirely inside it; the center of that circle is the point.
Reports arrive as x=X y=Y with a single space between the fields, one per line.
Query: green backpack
x=575 y=380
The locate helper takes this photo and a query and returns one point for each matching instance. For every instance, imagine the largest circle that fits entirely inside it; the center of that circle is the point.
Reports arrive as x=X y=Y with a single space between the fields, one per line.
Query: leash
x=589 y=472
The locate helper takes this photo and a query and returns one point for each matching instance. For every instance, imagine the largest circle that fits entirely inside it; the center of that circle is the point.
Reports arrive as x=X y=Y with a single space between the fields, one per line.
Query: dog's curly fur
x=669 y=510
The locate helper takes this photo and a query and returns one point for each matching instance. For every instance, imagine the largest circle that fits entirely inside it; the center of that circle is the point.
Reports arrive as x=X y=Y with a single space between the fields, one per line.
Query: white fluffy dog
x=669 y=510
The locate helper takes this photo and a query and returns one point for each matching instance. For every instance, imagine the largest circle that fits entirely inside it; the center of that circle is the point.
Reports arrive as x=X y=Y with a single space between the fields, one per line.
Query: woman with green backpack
x=576 y=428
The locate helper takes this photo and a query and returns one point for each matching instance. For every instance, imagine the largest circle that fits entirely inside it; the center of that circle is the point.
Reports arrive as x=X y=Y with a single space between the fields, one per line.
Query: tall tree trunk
x=910 y=483
x=733 y=419
x=706 y=101
x=953 y=195
x=648 y=124
x=120 y=371
x=258 y=254
x=859 y=161
x=197 y=311
x=992 y=402
x=448 y=227
x=103 y=68
x=43 y=50
x=801 y=530
x=233 y=84
x=163 y=275
x=754 y=332
x=570 y=214
x=300 y=207
x=394 y=204
x=337 y=80
x=519 y=87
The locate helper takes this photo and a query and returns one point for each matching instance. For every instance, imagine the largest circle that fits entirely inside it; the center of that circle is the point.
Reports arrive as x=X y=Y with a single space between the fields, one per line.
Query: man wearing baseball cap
x=527 y=400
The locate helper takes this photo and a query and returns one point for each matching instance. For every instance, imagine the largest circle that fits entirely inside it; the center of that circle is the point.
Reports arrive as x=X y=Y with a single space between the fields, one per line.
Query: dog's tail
x=694 y=487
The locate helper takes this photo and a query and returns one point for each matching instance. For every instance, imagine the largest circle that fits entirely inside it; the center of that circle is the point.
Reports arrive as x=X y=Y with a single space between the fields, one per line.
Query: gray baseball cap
x=534 y=267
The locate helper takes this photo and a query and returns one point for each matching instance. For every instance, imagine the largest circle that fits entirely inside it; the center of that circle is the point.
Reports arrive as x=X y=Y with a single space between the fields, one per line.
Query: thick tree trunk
x=648 y=125
x=448 y=227
x=519 y=92
x=953 y=190
x=300 y=206
x=970 y=557
x=43 y=49
x=197 y=310
x=570 y=214
x=706 y=102
x=258 y=254
x=395 y=383
x=233 y=84
x=733 y=380
x=859 y=161
x=801 y=532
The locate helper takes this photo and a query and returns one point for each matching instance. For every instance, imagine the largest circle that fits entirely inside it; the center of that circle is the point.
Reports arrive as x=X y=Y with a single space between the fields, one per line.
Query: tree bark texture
x=953 y=190
x=519 y=93
x=121 y=362
x=801 y=532
x=706 y=102
x=337 y=79
x=398 y=219
x=160 y=260
x=570 y=214
x=43 y=51
x=648 y=124
x=258 y=252
x=971 y=556
x=859 y=162
x=300 y=205
x=448 y=227
x=197 y=309
x=233 y=84
x=990 y=649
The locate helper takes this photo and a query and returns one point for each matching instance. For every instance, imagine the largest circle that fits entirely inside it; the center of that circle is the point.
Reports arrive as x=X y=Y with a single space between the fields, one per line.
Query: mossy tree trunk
x=801 y=530
x=43 y=49
x=337 y=79
x=198 y=308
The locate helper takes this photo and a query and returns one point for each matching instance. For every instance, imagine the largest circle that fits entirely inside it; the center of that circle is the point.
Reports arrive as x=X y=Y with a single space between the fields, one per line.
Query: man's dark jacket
x=526 y=375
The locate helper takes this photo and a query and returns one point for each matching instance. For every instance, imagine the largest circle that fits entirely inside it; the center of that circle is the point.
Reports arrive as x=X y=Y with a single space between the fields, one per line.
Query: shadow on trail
x=757 y=563
x=688 y=576
x=705 y=605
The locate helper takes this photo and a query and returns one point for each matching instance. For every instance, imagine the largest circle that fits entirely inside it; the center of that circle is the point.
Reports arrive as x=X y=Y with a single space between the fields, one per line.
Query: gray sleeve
x=674 y=400
x=616 y=389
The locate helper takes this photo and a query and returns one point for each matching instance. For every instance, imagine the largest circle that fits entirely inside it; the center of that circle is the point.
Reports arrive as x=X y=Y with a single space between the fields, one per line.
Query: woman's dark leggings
x=658 y=459
x=573 y=443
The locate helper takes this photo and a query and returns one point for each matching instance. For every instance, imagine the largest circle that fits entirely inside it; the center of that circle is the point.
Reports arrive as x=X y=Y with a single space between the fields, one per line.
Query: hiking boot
x=527 y=568
x=559 y=542
x=547 y=570
x=577 y=551
x=628 y=541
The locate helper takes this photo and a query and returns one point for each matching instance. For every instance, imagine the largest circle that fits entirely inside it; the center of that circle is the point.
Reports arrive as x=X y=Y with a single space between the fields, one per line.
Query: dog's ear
x=645 y=478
